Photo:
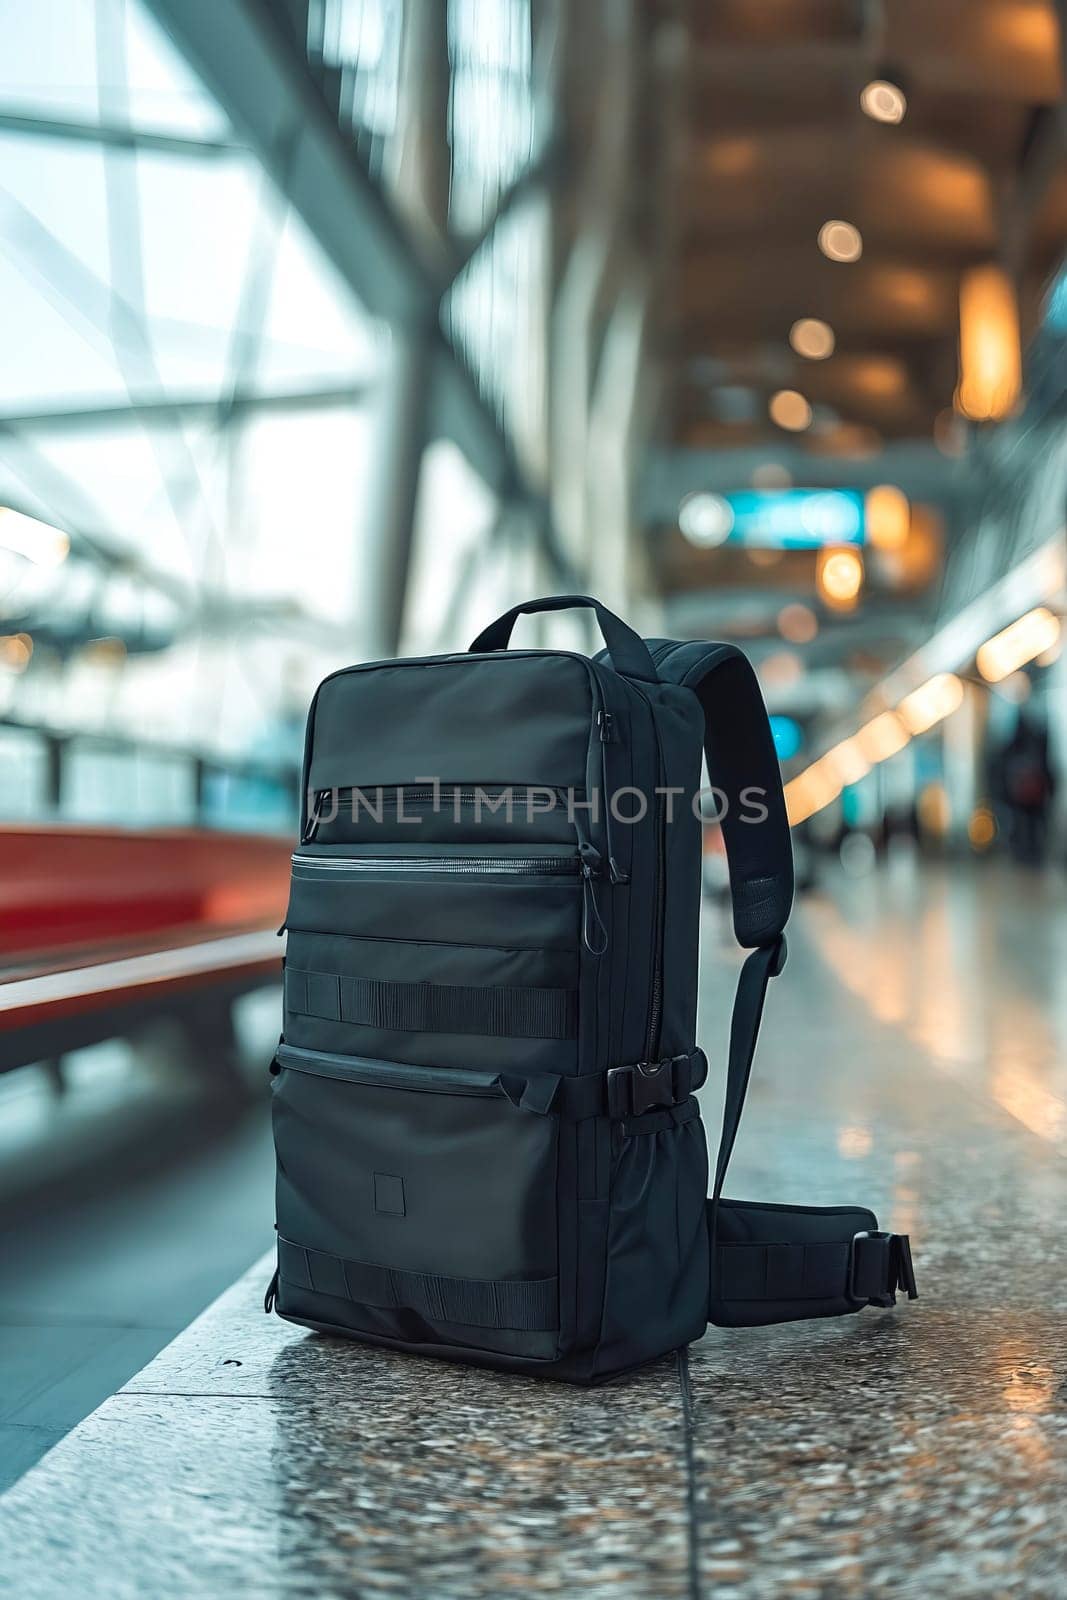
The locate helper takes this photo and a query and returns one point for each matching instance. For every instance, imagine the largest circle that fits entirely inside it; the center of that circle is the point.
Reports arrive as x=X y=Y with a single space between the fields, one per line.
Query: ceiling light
x=840 y=577
x=812 y=338
x=35 y=541
x=990 y=353
x=840 y=241
x=706 y=519
x=931 y=703
x=789 y=409
x=1013 y=647
x=847 y=761
x=883 y=101
x=888 y=517
x=882 y=737
x=814 y=789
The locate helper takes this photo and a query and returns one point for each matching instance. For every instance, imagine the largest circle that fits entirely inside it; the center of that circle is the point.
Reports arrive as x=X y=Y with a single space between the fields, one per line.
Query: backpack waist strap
x=776 y=1263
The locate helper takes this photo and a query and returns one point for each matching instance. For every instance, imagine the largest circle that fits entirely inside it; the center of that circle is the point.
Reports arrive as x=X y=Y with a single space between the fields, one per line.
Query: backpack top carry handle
x=629 y=652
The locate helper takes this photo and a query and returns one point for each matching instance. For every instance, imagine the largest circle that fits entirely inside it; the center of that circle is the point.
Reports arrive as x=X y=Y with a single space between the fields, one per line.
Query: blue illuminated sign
x=796 y=519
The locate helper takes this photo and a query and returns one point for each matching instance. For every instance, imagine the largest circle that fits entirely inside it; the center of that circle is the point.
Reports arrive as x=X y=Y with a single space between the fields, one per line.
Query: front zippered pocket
x=328 y=868
x=415 y=1203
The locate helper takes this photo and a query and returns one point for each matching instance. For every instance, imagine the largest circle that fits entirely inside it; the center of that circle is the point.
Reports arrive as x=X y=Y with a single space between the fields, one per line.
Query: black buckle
x=901 y=1265
x=899 y=1270
x=653 y=1085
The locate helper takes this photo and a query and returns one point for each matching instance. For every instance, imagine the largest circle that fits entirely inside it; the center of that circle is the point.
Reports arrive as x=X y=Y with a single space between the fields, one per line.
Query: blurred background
x=332 y=328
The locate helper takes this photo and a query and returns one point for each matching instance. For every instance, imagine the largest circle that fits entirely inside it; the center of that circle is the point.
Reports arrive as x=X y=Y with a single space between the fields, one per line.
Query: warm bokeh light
x=789 y=409
x=1014 y=646
x=812 y=338
x=888 y=517
x=812 y=791
x=732 y=157
x=840 y=241
x=847 y=762
x=15 y=651
x=797 y=623
x=781 y=670
x=934 y=810
x=882 y=737
x=840 y=577
x=931 y=703
x=883 y=101
x=982 y=828
x=879 y=377
x=990 y=352
x=35 y=541
x=705 y=519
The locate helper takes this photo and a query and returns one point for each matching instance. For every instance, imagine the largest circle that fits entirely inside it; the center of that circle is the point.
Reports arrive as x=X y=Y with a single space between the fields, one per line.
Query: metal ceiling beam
x=156 y=412
x=265 y=86
x=148 y=141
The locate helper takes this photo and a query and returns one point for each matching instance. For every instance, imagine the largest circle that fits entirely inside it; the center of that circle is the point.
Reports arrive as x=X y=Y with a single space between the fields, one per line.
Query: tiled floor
x=110 y=1199
x=915 y=1058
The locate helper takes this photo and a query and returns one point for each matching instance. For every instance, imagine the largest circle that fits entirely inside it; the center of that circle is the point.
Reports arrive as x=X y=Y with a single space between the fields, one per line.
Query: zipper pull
x=594 y=933
x=313 y=821
x=271 y=1295
x=608 y=735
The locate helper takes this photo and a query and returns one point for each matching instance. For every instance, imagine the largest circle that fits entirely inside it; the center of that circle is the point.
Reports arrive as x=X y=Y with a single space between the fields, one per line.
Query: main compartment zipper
x=655 y=997
x=463 y=866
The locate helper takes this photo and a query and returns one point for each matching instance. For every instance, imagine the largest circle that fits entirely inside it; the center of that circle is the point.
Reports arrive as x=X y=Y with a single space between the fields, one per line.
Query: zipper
x=387 y=1074
x=448 y=866
x=655 y=996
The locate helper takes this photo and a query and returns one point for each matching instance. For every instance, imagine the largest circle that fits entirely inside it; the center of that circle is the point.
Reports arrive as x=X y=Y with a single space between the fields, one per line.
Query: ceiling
x=777 y=145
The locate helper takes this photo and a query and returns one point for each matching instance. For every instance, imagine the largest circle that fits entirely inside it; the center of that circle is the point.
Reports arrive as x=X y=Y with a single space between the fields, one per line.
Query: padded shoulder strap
x=743 y=766
x=769 y=1263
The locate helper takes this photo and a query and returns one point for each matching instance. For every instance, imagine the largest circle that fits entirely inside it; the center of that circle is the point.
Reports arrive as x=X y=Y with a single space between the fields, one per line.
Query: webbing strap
x=433 y=1007
x=776 y=1263
x=526 y=1304
x=744 y=770
x=759 y=968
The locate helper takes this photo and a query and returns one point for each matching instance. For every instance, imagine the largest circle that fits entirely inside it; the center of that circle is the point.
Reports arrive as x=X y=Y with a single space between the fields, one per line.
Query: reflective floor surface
x=914 y=1058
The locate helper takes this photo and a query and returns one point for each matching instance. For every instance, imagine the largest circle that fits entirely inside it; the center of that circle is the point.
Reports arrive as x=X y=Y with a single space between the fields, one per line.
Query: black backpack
x=488 y=1143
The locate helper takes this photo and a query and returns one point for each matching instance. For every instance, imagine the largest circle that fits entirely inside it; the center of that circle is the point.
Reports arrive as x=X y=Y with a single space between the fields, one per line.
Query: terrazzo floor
x=914 y=1058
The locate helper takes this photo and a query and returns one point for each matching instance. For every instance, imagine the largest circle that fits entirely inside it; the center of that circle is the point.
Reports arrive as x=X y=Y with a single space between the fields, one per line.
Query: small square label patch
x=389 y=1194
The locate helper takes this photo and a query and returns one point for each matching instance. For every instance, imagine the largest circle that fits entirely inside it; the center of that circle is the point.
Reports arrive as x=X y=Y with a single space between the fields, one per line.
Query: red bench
x=101 y=929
